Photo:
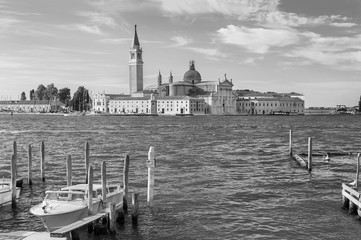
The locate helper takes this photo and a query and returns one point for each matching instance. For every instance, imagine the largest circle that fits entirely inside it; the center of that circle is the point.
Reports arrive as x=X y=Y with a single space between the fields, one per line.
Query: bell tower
x=135 y=66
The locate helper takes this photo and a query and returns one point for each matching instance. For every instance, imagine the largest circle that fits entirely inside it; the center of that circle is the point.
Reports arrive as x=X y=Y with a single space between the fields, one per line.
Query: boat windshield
x=64 y=196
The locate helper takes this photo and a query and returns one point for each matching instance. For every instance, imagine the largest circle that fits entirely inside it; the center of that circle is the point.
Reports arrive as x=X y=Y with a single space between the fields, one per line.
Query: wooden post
x=90 y=188
x=125 y=183
x=68 y=171
x=352 y=206
x=135 y=211
x=104 y=182
x=15 y=153
x=309 y=165
x=42 y=161
x=151 y=163
x=86 y=161
x=29 y=165
x=345 y=202
x=13 y=181
x=290 y=142
x=358 y=169
x=112 y=217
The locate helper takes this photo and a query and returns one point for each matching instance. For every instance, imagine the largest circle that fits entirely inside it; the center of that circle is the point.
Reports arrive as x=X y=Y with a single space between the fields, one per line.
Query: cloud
x=337 y=52
x=180 y=41
x=252 y=60
x=99 y=18
x=257 y=40
x=211 y=53
x=116 y=40
x=346 y=24
x=6 y=22
x=239 y=8
x=84 y=28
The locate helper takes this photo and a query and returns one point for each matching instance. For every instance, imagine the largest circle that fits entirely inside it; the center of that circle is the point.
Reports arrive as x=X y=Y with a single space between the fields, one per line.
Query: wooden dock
x=351 y=194
x=62 y=232
x=23 y=235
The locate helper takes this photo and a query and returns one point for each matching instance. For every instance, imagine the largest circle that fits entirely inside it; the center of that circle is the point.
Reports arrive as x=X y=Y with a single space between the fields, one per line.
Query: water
x=217 y=177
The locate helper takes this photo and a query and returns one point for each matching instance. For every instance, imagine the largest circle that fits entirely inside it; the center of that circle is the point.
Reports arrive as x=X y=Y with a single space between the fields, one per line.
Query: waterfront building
x=256 y=103
x=136 y=67
x=31 y=106
x=188 y=96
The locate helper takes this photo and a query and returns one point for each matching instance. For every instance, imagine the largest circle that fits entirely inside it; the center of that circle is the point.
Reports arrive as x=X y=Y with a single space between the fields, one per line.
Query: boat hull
x=55 y=221
x=5 y=195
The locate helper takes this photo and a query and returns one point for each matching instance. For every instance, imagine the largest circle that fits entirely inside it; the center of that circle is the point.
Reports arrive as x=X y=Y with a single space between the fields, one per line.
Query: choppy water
x=217 y=177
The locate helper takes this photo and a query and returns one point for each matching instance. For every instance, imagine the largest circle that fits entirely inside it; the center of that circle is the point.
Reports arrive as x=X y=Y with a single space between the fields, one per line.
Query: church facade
x=188 y=96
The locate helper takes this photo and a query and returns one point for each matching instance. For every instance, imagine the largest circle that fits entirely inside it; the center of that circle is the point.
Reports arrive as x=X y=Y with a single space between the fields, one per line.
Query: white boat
x=70 y=204
x=6 y=193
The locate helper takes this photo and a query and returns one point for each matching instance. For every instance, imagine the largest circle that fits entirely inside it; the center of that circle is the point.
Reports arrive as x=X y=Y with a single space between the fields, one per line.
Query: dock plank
x=351 y=198
x=62 y=231
x=351 y=190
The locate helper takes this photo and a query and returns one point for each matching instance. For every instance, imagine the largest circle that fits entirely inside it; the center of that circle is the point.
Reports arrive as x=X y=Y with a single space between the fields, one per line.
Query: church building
x=190 y=95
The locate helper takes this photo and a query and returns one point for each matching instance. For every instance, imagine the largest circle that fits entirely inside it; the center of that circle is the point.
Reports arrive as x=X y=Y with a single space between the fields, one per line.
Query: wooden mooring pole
x=90 y=188
x=352 y=206
x=42 y=161
x=309 y=165
x=125 y=183
x=15 y=153
x=135 y=211
x=13 y=181
x=68 y=171
x=29 y=165
x=290 y=147
x=104 y=182
x=357 y=170
x=86 y=158
x=151 y=164
x=112 y=217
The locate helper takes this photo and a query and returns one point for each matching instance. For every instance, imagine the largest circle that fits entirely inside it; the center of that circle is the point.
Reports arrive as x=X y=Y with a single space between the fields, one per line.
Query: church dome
x=192 y=75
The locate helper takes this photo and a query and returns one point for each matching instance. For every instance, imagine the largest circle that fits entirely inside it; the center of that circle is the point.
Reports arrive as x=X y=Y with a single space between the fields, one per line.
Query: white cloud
x=8 y=22
x=116 y=40
x=84 y=28
x=257 y=40
x=252 y=60
x=180 y=41
x=99 y=18
x=337 y=52
x=209 y=52
x=345 y=24
x=239 y=8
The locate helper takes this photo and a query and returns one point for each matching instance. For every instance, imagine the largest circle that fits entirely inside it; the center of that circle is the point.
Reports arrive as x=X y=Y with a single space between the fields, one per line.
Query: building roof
x=128 y=98
x=192 y=75
x=33 y=102
x=136 y=39
x=269 y=99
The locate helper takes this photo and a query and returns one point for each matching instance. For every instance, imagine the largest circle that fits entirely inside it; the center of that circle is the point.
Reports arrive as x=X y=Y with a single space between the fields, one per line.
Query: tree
x=64 y=96
x=23 y=96
x=51 y=92
x=81 y=99
x=32 y=94
x=40 y=92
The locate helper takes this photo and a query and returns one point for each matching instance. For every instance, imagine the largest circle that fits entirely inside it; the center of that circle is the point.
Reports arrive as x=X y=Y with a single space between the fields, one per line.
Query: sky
x=311 y=47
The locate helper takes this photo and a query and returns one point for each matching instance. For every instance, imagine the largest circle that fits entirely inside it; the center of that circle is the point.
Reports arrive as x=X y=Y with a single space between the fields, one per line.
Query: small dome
x=192 y=75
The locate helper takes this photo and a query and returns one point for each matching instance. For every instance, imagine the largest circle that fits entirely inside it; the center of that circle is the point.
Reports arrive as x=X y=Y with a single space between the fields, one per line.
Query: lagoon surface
x=217 y=177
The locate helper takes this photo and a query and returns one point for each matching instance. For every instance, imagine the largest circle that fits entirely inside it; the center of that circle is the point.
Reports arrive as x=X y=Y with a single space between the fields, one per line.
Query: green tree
x=51 y=92
x=32 y=94
x=81 y=100
x=23 y=96
x=64 y=96
x=40 y=92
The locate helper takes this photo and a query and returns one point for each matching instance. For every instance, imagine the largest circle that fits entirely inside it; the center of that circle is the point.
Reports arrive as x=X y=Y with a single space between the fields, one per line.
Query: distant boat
x=74 y=114
x=6 y=192
x=70 y=204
